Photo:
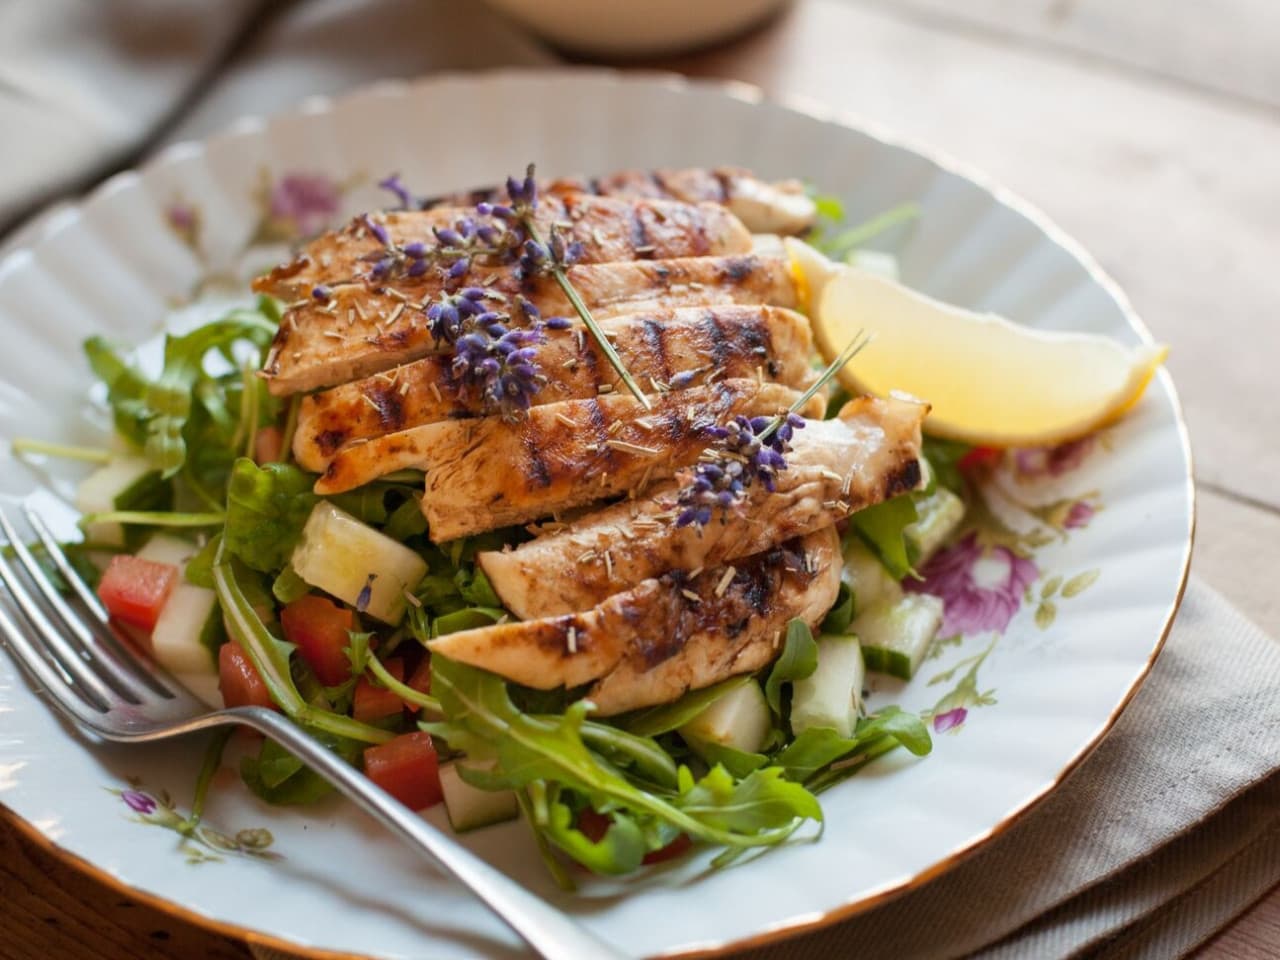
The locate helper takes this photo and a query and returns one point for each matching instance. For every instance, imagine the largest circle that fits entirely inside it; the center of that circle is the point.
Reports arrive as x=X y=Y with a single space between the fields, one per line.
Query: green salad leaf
x=153 y=413
x=882 y=528
x=267 y=507
x=482 y=721
x=798 y=660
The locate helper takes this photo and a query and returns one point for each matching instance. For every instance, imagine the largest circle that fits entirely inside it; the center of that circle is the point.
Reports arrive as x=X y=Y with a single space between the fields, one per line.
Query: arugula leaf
x=882 y=527
x=482 y=722
x=279 y=777
x=944 y=457
x=654 y=721
x=761 y=801
x=288 y=586
x=271 y=656
x=267 y=507
x=740 y=763
x=841 y=613
x=466 y=619
x=819 y=747
x=153 y=413
x=799 y=659
x=619 y=851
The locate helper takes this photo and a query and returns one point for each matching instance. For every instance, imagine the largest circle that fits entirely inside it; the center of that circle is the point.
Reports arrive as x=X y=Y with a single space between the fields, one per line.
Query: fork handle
x=547 y=930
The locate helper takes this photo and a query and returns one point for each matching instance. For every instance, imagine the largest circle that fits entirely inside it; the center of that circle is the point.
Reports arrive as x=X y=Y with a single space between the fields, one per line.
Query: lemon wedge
x=989 y=381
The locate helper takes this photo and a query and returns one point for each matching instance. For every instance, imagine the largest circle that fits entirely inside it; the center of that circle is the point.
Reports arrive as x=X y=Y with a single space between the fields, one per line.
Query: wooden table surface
x=1149 y=129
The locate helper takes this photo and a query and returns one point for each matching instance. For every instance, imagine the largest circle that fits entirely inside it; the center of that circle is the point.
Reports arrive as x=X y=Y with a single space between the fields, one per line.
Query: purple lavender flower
x=499 y=366
x=375 y=228
x=138 y=802
x=394 y=184
x=981 y=587
x=751 y=450
x=308 y=201
x=321 y=292
x=950 y=720
x=523 y=193
x=445 y=316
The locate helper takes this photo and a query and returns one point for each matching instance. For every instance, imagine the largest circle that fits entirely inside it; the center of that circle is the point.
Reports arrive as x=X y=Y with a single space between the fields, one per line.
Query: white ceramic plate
x=1064 y=594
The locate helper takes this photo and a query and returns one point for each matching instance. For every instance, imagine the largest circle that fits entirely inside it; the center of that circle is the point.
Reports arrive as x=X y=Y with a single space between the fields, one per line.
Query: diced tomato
x=320 y=629
x=239 y=680
x=593 y=824
x=373 y=702
x=672 y=850
x=407 y=768
x=268 y=444
x=134 y=590
x=979 y=458
x=420 y=680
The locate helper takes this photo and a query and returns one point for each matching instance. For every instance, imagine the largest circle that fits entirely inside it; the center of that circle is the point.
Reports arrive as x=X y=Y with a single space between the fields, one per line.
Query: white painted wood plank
x=1177 y=194
x=1232 y=46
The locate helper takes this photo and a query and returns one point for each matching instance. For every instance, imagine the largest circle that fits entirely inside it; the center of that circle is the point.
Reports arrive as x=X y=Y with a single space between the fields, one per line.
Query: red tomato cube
x=238 y=679
x=134 y=590
x=268 y=445
x=420 y=680
x=373 y=702
x=320 y=629
x=407 y=768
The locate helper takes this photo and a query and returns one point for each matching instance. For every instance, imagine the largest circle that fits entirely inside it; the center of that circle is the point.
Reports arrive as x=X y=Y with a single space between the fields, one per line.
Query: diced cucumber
x=740 y=719
x=940 y=515
x=99 y=492
x=865 y=576
x=470 y=807
x=897 y=636
x=344 y=557
x=189 y=627
x=165 y=548
x=831 y=696
x=204 y=686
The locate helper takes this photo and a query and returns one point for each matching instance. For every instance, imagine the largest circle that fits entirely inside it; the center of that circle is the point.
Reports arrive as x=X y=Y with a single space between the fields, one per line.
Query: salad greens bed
x=609 y=794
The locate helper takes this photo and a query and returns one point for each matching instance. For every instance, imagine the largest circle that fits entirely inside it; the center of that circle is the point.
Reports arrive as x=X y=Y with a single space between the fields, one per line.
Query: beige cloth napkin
x=1166 y=833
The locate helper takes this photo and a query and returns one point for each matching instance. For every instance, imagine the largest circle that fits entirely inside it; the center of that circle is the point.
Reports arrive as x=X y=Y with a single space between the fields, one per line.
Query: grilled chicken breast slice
x=610 y=229
x=360 y=330
x=486 y=473
x=765 y=207
x=665 y=636
x=684 y=347
x=868 y=454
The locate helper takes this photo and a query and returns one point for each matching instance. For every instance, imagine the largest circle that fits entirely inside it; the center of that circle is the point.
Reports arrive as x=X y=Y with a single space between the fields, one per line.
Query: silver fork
x=68 y=647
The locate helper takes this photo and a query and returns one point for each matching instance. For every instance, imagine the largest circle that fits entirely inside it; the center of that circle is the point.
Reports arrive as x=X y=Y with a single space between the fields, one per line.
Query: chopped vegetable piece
x=830 y=696
x=320 y=628
x=740 y=719
x=134 y=590
x=268 y=444
x=372 y=701
x=896 y=637
x=407 y=768
x=470 y=807
x=672 y=850
x=238 y=680
x=356 y=563
x=420 y=680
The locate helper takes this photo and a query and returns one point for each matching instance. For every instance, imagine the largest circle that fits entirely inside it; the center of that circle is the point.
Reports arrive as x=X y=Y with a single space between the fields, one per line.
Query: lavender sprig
x=750 y=450
x=553 y=257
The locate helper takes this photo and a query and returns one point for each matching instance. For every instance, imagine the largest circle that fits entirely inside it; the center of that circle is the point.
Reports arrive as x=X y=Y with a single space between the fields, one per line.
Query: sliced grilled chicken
x=665 y=636
x=677 y=348
x=779 y=207
x=360 y=331
x=610 y=229
x=870 y=453
x=486 y=473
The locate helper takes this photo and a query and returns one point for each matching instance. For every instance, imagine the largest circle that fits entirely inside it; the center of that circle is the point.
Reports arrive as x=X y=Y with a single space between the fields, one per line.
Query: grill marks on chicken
x=668 y=635
x=764 y=207
x=868 y=454
x=487 y=473
x=610 y=229
x=362 y=330
x=682 y=347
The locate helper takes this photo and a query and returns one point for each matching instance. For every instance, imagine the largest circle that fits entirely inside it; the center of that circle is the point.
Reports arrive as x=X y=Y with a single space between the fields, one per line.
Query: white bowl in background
x=625 y=28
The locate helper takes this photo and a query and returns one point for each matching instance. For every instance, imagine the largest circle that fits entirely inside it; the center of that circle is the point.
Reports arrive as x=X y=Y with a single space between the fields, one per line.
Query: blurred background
x=1149 y=129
